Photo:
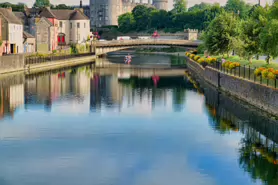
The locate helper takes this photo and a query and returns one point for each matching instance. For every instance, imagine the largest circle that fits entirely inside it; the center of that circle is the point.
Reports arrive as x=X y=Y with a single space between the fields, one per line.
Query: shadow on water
x=258 y=153
x=258 y=150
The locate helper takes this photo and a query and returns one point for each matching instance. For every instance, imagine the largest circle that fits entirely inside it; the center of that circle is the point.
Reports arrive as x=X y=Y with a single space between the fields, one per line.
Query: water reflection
x=79 y=126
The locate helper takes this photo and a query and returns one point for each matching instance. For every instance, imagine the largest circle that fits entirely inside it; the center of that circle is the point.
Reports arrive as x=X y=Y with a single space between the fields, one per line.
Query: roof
x=45 y=19
x=27 y=35
x=46 y=12
x=10 y=16
x=69 y=15
x=20 y=16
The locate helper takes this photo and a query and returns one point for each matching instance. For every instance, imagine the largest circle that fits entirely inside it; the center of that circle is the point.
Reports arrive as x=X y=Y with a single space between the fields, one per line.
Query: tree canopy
x=41 y=3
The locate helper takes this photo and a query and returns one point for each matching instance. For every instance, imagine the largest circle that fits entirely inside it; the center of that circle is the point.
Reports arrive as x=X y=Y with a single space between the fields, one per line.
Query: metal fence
x=29 y=60
x=246 y=72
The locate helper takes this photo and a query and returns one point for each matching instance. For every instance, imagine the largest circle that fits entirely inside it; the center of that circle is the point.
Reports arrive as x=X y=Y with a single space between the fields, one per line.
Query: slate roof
x=69 y=15
x=20 y=16
x=27 y=35
x=10 y=16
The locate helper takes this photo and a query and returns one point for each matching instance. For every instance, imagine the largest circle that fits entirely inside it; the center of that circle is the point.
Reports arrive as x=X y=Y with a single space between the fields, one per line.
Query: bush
x=192 y=56
x=258 y=72
x=187 y=54
x=231 y=65
x=194 y=52
x=201 y=60
x=271 y=76
x=265 y=73
x=196 y=58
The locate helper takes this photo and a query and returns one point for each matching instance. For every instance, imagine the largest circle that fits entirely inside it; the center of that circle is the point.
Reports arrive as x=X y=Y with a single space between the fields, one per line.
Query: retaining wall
x=11 y=63
x=261 y=96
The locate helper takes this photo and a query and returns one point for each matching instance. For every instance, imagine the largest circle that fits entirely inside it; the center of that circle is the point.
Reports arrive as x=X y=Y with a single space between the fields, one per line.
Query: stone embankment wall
x=261 y=96
x=11 y=63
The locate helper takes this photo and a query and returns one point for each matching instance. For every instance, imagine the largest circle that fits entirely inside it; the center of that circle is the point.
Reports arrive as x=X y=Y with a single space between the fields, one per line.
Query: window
x=84 y=25
x=78 y=37
x=71 y=25
x=106 y=18
x=78 y=25
x=61 y=24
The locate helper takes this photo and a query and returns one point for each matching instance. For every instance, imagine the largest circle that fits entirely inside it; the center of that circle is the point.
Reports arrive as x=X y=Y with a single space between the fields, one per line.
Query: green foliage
x=62 y=7
x=1 y=42
x=42 y=3
x=238 y=7
x=269 y=39
x=200 y=7
x=126 y=22
x=73 y=49
x=142 y=16
x=180 y=6
x=16 y=7
x=222 y=34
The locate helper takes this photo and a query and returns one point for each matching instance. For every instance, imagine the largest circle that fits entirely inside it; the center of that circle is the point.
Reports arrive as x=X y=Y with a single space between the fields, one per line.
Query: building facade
x=12 y=31
x=1 y=39
x=106 y=12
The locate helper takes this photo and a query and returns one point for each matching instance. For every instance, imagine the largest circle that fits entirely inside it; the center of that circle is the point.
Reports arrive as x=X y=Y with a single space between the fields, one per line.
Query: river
x=80 y=126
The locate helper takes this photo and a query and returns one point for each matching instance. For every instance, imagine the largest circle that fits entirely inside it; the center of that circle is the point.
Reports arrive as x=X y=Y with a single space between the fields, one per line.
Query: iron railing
x=247 y=72
x=29 y=60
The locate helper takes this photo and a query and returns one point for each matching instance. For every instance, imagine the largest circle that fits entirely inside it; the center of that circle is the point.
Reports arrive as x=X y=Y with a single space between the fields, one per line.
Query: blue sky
x=74 y=2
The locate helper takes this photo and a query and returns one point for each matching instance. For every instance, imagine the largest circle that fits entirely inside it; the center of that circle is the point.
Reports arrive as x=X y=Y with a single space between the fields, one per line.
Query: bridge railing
x=147 y=42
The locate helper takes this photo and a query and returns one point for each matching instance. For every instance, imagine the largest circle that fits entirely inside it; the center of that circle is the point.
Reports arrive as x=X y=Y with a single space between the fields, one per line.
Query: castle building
x=106 y=12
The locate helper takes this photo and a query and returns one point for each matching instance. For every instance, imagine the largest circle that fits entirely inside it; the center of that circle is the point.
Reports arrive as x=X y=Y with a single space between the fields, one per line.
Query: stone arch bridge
x=104 y=47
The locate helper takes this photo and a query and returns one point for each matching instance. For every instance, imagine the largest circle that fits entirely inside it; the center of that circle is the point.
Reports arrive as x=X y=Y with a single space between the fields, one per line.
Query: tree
x=221 y=37
x=62 y=7
x=41 y=3
x=126 y=22
x=238 y=7
x=250 y=32
x=269 y=39
x=180 y=6
x=141 y=15
x=200 y=7
x=158 y=19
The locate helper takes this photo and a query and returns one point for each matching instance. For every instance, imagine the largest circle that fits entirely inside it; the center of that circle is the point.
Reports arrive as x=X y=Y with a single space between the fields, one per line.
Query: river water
x=80 y=126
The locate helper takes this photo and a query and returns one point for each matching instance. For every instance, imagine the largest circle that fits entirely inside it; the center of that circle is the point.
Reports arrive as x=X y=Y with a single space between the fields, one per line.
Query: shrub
x=271 y=76
x=265 y=73
x=232 y=65
x=276 y=72
x=192 y=56
x=258 y=72
x=187 y=54
x=201 y=60
x=196 y=58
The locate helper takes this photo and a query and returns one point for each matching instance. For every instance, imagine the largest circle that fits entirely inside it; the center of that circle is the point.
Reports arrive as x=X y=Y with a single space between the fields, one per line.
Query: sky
x=76 y=2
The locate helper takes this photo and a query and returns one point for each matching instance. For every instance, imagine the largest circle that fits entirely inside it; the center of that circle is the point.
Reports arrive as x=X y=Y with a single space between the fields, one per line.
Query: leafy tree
x=222 y=34
x=238 y=7
x=16 y=7
x=250 y=32
x=210 y=14
x=180 y=6
x=41 y=3
x=269 y=39
x=159 y=19
x=63 y=7
x=200 y=7
x=142 y=15
x=126 y=22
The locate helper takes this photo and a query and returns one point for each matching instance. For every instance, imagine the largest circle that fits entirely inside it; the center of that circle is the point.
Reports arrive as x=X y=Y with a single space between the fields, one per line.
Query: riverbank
x=258 y=95
x=17 y=64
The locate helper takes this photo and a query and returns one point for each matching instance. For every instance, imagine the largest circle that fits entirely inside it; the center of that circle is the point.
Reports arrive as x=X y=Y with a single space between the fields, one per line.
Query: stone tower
x=161 y=4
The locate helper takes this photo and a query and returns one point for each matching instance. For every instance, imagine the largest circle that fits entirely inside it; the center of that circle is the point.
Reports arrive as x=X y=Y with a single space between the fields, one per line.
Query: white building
x=73 y=27
x=12 y=31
